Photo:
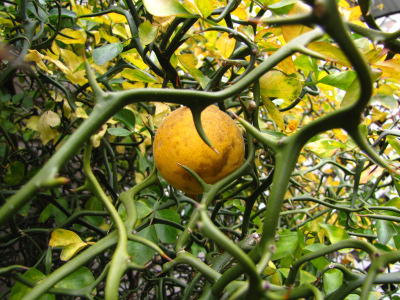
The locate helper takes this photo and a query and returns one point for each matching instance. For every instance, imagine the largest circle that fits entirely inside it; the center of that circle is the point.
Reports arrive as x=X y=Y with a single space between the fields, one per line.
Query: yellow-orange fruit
x=177 y=142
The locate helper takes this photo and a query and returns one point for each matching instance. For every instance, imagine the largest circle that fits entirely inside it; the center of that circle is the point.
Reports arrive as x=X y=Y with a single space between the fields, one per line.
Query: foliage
x=313 y=212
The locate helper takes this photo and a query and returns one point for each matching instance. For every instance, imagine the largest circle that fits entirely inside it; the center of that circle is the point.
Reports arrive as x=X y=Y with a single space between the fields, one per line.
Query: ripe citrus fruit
x=177 y=142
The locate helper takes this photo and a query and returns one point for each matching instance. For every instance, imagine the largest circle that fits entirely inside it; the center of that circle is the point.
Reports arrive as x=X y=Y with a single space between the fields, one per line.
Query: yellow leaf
x=58 y=63
x=378 y=115
x=74 y=36
x=34 y=55
x=340 y=134
x=135 y=59
x=45 y=123
x=97 y=36
x=81 y=113
x=62 y=237
x=241 y=13
x=292 y=31
x=225 y=45
x=128 y=86
x=273 y=111
x=117 y=18
x=96 y=138
x=107 y=37
x=72 y=60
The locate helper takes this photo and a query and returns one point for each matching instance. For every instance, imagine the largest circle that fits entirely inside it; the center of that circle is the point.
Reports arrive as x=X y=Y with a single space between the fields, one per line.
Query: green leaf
x=19 y=290
x=166 y=233
x=142 y=209
x=385 y=231
x=332 y=280
x=94 y=204
x=147 y=32
x=166 y=8
x=15 y=173
x=340 y=80
x=142 y=254
x=353 y=91
x=282 y=7
x=286 y=245
x=306 y=277
x=78 y=279
x=117 y=131
x=320 y=263
x=46 y=213
x=126 y=117
x=104 y=54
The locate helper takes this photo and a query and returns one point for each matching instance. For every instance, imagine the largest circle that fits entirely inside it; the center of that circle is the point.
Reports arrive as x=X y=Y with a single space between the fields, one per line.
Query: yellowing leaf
x=273 y=111
x=205 y=7
x=189 y=63
x=188 y=60
x=32 y=123
x=121 y=31
x=292 y=31
x=330 y=53
x=137 y=75
x=46 y=121
x=147 y=32
x=74 y=36
x=275 y=84
x=325 y=147
x=225 y=45
x=71 y=249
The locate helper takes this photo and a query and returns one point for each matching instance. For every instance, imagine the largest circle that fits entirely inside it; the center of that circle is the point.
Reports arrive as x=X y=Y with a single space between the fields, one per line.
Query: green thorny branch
x=327 y=18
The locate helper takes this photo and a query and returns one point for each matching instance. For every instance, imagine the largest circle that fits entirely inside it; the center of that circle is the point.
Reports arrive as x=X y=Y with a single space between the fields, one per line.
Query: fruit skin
x=177 y=142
